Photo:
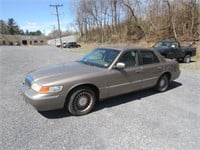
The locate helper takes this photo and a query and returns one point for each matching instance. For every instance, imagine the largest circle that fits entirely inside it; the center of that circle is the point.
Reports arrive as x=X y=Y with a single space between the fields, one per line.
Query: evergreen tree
x=13 y=28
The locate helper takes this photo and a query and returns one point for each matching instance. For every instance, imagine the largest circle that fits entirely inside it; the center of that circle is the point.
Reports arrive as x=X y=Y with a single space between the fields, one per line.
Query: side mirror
x=120 y=65
x=173 y=46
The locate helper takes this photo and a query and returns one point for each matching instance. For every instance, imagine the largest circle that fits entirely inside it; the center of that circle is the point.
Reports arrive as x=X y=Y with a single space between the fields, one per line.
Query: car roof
x=169 y=40
x=125 y=48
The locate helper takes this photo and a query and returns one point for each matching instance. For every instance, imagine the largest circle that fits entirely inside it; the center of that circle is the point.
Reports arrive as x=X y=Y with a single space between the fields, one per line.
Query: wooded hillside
x=132 y=20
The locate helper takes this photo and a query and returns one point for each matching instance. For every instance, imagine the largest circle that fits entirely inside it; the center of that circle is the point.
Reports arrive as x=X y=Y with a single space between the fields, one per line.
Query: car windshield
x=100 y=57
x=162 y=44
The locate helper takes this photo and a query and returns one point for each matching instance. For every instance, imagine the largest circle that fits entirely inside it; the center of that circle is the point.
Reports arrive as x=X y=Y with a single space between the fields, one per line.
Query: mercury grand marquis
x=103 y=73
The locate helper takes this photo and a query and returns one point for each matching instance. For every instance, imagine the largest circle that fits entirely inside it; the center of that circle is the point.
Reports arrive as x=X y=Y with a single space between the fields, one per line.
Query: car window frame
x=137 y=58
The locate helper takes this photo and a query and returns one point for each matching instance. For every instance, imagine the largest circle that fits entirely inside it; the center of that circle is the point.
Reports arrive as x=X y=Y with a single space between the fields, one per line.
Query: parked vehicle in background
x=58 y=45
x=71 y=45
x=17 y=44
x=64 y=44
x=103 y=73
x=173 y=50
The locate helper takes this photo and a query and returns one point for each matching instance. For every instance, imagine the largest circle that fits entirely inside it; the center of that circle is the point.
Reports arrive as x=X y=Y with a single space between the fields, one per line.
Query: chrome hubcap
x=162 y=83
x=82 y=101
x=187 y=59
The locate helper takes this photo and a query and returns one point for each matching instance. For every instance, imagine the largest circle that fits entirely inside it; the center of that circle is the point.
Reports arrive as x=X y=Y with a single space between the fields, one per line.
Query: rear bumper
x=175 y=75
x=193 y=53
x=42 y=102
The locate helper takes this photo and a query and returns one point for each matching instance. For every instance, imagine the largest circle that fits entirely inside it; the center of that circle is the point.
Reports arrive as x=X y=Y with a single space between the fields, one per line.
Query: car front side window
x=129 y=59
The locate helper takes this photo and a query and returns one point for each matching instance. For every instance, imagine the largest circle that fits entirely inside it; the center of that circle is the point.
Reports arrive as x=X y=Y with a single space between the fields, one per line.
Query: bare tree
x=138 y=27
x=171 y=18
x=118 y=20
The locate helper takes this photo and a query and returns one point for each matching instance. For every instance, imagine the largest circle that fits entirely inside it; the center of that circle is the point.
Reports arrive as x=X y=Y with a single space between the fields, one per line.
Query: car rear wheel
x=187 y=58
x=81 y=101
x=163 y=83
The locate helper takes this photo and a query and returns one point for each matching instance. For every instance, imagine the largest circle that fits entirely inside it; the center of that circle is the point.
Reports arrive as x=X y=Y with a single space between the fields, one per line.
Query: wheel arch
x=188 y=53
x=85 y=85
x=168 y=75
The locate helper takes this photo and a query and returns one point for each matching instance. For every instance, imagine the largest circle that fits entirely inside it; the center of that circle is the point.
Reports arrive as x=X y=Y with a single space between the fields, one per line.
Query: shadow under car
x=109 y=102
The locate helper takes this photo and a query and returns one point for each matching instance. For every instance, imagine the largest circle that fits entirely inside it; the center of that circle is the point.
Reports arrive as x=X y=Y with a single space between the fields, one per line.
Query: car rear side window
x=148 y=57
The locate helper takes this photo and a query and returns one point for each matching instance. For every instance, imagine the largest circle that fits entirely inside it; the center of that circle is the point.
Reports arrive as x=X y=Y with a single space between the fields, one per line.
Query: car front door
x=127 y=79
x=176 y=50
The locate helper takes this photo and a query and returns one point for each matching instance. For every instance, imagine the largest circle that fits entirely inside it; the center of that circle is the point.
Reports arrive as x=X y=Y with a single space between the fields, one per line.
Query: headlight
x=46 y=89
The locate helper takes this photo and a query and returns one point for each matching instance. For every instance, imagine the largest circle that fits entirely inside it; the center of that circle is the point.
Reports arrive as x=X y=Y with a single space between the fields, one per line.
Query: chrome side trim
x=127 y=83
x=150 y=79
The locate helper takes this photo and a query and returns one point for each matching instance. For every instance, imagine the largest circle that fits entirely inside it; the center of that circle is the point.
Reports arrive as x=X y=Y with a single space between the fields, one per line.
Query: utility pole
x=57 y=14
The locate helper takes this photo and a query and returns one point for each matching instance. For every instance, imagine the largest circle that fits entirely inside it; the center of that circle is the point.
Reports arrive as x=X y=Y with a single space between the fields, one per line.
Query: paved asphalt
x=142 y=120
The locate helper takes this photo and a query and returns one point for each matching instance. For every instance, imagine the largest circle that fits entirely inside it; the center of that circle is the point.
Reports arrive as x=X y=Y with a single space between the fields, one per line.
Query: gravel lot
x=142 y=120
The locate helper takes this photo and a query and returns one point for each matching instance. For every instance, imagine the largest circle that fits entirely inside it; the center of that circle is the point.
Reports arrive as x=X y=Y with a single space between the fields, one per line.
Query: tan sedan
x=104 y=72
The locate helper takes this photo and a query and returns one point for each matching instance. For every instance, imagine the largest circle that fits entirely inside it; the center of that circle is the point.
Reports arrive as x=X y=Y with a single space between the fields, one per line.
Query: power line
x=58 y=19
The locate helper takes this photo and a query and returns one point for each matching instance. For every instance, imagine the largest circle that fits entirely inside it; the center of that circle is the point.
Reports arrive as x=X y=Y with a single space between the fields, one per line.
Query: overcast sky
x=35 y=15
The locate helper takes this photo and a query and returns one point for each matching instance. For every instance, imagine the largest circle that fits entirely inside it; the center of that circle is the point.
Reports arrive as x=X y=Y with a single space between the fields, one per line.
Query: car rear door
x=151 y=68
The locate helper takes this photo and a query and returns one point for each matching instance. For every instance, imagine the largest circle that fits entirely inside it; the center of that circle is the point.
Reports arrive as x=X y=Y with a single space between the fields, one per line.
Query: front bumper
x=42 y=102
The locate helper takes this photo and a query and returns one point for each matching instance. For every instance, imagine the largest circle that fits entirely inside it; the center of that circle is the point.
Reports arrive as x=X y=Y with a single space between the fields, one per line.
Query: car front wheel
x=162 y=84
x=81 y=101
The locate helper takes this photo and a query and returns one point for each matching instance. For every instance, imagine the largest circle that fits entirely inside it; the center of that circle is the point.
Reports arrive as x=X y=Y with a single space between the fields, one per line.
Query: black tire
x=163 y=83
x=81 y=101
x=187 y=58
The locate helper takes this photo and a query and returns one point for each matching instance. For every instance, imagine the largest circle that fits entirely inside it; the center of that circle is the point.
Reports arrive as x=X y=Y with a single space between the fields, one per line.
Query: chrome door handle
x=139 y=70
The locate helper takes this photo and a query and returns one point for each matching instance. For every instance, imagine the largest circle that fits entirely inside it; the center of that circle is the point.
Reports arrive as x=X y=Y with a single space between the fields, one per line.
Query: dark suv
x=71 y=45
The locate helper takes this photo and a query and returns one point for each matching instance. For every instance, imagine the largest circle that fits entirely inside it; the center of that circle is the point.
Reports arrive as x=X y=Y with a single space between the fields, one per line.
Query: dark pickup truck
x=173 y=50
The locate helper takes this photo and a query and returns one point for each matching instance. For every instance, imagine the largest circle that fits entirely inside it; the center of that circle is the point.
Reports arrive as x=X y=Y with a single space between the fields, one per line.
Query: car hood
x=62 y=71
